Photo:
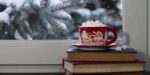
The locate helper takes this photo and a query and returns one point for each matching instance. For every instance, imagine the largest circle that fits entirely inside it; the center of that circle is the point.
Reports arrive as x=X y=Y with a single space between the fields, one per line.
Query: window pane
x=55 y=19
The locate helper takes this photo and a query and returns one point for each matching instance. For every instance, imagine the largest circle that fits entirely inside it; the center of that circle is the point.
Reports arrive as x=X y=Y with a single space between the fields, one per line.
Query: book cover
x=103 y=62
x=126 y=50
x=123 y=73
x=103 y=66
x=77 y=54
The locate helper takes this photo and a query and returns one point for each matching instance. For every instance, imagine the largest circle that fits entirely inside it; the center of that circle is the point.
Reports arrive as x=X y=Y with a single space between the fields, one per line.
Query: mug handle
x=110 y=29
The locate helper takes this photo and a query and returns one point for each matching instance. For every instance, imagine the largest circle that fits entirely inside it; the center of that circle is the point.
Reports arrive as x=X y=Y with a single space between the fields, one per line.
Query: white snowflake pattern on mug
x=93 y=38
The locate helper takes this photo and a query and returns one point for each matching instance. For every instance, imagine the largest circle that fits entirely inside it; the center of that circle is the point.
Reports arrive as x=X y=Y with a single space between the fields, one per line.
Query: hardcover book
x=103 y=66
x=77 y=54
x=123 y=73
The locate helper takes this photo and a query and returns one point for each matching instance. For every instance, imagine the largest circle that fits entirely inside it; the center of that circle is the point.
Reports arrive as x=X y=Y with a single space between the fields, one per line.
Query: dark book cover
x=122 y=73
x=103 y=62
x=111 y=50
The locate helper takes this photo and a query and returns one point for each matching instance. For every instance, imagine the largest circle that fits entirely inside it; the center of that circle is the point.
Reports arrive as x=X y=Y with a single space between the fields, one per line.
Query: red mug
x=97 y=36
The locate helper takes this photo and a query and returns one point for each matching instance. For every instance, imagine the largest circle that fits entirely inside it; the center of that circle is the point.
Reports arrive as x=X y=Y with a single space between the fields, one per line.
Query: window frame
x=52 y=51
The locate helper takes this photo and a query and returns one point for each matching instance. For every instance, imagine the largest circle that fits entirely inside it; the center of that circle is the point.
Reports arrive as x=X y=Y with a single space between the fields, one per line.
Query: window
x=55 y=19
x=52 y=51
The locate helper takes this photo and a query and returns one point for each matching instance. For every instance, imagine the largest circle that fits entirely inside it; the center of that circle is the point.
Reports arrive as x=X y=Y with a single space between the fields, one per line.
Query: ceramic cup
x=97 y=36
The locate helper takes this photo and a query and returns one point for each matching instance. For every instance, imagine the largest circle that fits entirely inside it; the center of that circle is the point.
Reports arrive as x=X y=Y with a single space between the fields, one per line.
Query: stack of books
x=102 y=62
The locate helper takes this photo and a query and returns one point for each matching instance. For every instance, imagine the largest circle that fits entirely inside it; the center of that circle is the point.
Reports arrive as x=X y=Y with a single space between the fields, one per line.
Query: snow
x=99 y=11
x=84 y=12
x=17 y=3
x=4 y=17
x=19 y=37
x=8 y=10
x=37 y=2
x=55 y=2
x=62 y=14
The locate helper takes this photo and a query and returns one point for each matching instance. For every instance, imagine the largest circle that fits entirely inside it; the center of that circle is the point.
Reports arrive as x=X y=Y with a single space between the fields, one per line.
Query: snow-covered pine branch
x=38 y=19
x=4 y=15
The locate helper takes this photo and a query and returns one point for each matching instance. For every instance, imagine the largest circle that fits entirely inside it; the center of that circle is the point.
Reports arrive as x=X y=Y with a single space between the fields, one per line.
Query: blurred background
x=55 y=19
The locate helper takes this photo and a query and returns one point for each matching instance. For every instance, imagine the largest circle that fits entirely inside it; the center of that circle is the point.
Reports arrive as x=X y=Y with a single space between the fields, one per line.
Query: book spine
x=125 y=73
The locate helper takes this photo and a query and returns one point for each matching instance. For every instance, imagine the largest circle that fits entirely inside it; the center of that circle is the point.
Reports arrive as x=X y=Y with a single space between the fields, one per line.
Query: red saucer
x=80 y=45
